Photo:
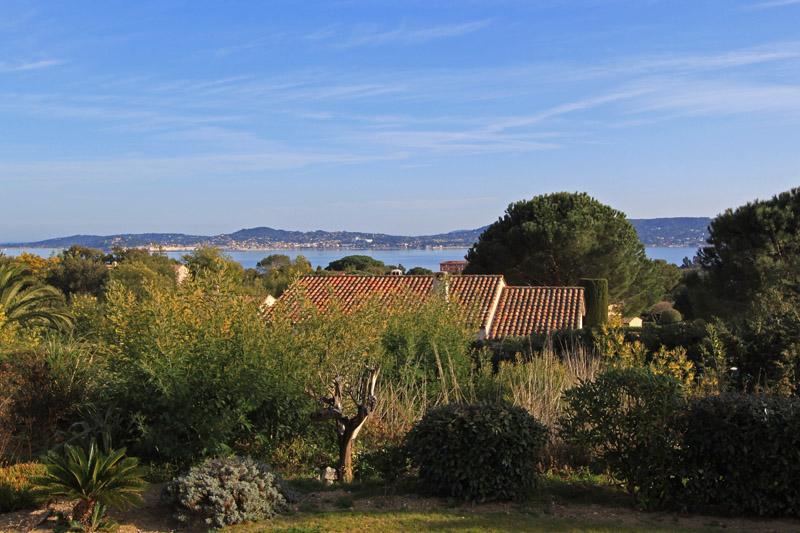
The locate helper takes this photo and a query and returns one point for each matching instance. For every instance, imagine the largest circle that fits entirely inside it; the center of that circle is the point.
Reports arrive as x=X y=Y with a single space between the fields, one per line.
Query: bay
x=426 y=258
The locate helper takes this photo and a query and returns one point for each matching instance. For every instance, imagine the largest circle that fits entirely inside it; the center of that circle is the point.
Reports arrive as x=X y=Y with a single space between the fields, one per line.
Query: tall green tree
x=279 y=271
x=79 y=270
x=359 y=264
x=155 y=261
x=25 y=302
x=749 y=276
x=557 y=239
x=206 y=260
x=751 y=249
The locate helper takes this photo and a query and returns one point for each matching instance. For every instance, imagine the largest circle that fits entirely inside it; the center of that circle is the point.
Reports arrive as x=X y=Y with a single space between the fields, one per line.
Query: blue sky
x=400 y=117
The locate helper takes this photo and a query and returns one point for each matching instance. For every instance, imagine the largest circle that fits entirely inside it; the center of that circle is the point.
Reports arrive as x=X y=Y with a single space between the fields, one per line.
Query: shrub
x=196 y=373
x=477 y=452
x=41 y=392
x=742 y=453
x=227 y=491
x=16 y=487
x=95 y=478
x=687 y=334
x=627 y=419
x=669 y=316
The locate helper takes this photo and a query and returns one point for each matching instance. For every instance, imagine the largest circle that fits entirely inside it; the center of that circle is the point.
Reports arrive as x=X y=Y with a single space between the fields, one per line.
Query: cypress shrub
x=596 y=295
x=478 y=452
x=741 y=453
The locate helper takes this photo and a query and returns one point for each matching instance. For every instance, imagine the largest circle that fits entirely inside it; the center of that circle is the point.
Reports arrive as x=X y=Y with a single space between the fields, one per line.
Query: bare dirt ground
x=153 y=516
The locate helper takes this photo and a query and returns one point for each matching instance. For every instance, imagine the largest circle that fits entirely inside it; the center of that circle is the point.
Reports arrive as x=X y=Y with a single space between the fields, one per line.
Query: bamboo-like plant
x=94 y=477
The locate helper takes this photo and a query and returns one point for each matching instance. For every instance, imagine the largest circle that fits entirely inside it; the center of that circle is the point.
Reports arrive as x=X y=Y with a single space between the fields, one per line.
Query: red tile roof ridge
x=544 y=287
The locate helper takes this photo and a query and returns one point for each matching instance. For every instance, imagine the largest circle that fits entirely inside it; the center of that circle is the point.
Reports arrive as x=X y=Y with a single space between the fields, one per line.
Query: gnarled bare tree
x=348 y=427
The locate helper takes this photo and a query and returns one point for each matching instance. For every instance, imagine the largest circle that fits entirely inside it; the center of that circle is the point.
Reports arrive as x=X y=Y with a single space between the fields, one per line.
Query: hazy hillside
x=652 y=232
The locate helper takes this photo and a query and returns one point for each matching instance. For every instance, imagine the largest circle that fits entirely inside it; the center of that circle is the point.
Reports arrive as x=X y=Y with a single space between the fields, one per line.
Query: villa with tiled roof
x=502 y=310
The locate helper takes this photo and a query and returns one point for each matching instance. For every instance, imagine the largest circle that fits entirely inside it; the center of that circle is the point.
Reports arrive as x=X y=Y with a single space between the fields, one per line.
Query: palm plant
x=25 y=302
x=95 y=478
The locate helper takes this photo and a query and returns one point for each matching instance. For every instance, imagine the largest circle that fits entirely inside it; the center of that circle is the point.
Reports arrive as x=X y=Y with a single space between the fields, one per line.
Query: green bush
x=227 y=491
x=627 y=418
x=42 y=390
x=687 y=334
x=742 y=453
x=16 y=487
x=478 y=452
x=196 y=372
x=669 y=316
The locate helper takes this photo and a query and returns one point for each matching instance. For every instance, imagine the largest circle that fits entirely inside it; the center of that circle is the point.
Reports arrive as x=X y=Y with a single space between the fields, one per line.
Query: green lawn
x=580 y=502
x=417 y=522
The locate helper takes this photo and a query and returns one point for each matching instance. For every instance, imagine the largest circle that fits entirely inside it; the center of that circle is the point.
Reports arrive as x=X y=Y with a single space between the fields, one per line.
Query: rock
x=327 y=475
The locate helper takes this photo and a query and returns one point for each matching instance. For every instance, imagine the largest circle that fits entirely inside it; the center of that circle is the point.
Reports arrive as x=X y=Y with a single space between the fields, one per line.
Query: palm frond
x=109 y=478
x=26 y=302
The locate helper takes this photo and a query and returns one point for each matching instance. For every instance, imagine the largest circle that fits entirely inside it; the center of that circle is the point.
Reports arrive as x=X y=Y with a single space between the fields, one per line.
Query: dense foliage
x=753 y=248
x=226 y=491
x=557 y=239
x=479 y=452
x=626 y=419
x=44 y=390
x=741 y=453
x=79 y=270
x=279 y=271
x=195 y=371
x=17 y=490
x=359 y=264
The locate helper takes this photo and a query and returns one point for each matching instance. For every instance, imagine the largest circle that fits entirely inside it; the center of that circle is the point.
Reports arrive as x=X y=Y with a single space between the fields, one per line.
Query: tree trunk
x=345 y=468
x=348 y=428
x=83 y=511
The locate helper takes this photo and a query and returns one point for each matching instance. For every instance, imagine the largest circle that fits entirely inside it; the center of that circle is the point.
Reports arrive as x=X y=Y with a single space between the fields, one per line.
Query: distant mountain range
x=670 y=232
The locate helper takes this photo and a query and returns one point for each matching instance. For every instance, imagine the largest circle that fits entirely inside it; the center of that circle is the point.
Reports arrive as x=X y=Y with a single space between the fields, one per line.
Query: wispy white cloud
x=21 y=66
x=456 y=141
x=695 y=97
x=771 y=4
x=523 y=108
x=675 y=63
x=562 y=109
x=402 y=35
x=188 y=168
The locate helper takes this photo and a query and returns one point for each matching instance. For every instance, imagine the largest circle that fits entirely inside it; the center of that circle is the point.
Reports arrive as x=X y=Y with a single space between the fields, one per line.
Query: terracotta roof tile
x=351 y=291
x=475 y=293
x=502 y=310
x=526 y=310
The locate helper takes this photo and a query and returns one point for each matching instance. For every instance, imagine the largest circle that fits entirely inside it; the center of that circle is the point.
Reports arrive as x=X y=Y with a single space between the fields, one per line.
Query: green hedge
x=477 y=452
x=626 y=419
x=688 y=334
x=741 y=453
x=735 y=453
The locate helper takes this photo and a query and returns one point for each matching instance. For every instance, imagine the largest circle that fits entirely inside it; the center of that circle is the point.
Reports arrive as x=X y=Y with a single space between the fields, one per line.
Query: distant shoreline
x=289 y=248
